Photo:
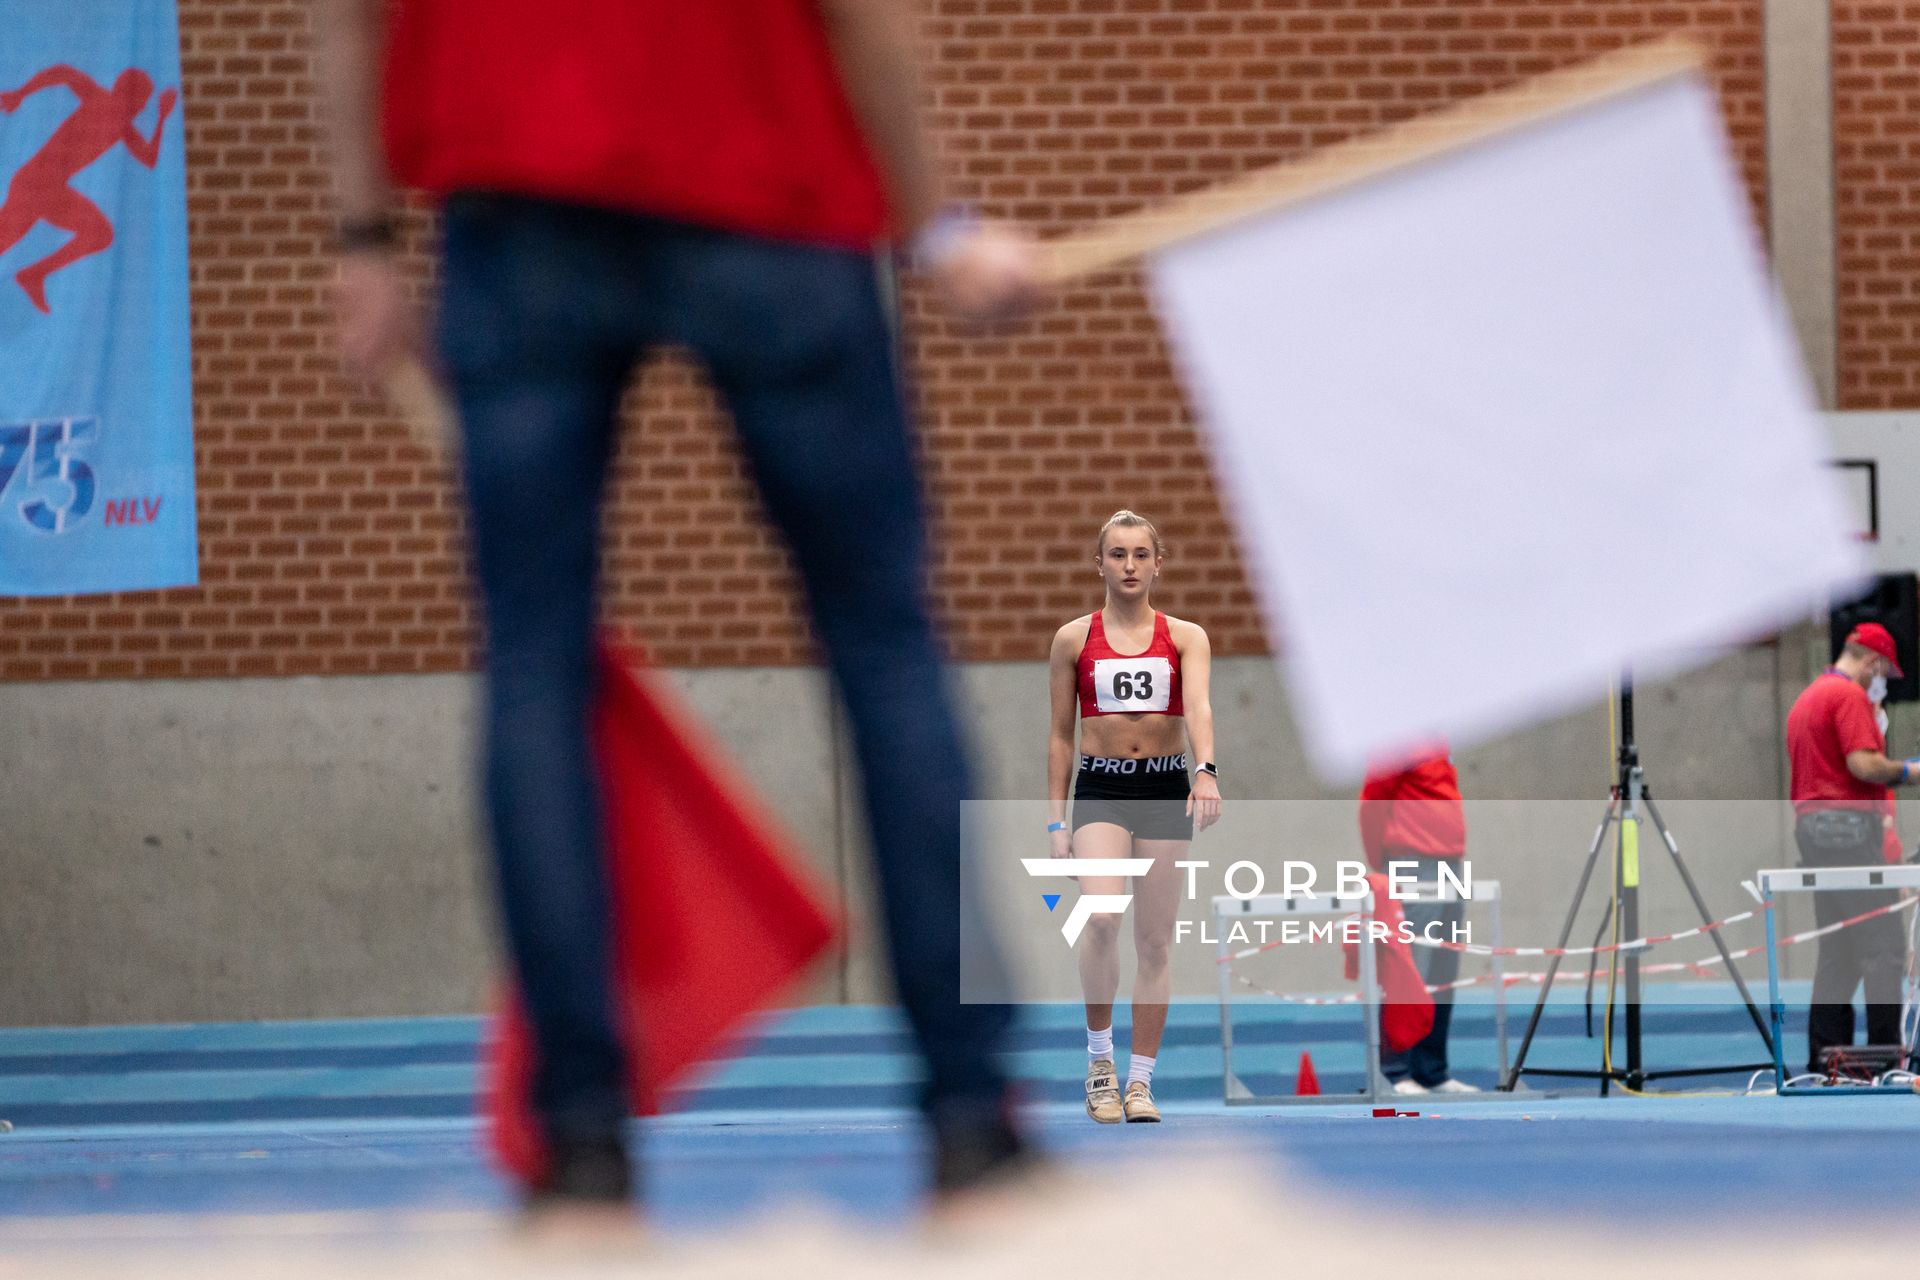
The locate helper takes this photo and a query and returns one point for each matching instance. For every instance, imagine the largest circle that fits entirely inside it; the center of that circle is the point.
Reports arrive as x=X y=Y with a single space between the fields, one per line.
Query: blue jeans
x=545 y=308
x=1426 y=1060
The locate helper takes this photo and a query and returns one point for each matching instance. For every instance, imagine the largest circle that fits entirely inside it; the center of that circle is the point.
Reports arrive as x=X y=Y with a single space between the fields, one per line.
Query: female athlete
x=1137 y=682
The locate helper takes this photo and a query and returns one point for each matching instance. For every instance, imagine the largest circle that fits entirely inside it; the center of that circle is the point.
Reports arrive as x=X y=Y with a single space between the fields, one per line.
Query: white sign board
x=1497 y=424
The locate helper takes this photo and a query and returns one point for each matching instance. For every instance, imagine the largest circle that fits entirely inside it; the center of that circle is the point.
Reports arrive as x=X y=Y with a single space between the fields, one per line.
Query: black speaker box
x=1894 y=602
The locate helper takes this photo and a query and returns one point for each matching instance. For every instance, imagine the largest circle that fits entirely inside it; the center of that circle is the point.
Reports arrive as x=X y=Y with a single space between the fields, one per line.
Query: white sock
x=1140 y=1069
x=1100 y=1044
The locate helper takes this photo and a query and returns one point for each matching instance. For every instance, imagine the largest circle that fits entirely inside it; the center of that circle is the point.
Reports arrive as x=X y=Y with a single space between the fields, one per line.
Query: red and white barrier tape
x=1635 y=944
x=1475 y=949
x=1699 y=968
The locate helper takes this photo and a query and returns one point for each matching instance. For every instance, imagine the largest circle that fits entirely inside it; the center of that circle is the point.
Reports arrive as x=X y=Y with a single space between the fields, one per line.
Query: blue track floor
x=377 y=1115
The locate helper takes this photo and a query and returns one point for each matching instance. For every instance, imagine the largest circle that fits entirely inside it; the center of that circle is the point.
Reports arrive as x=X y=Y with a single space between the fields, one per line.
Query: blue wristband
x=1055 y=826
x=934 y=246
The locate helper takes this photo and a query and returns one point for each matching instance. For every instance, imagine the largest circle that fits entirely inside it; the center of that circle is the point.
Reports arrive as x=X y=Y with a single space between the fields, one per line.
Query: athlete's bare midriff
x=1133 y=737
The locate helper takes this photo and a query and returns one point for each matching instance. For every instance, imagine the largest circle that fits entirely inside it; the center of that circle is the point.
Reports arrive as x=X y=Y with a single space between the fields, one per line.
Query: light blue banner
x=96 y=419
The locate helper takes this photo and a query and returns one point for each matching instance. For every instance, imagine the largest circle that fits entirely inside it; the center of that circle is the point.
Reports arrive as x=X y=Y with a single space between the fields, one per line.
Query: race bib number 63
x=1133 y=684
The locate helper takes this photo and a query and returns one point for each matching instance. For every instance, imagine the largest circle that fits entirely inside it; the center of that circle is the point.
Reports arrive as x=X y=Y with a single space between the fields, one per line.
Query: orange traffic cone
x=1309 y=1083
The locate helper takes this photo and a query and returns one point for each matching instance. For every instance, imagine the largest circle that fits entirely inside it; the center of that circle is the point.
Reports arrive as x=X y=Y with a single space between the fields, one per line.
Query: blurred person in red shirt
x=615 y=177
x=1411 y=813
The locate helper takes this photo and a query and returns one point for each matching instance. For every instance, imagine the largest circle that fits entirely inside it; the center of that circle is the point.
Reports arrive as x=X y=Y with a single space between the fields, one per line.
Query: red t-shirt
x=1413 y=809
x=1830 y=720
x=725 y=113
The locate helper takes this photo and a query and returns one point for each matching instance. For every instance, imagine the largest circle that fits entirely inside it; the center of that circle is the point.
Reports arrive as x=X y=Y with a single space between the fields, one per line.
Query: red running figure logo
x=40 y=192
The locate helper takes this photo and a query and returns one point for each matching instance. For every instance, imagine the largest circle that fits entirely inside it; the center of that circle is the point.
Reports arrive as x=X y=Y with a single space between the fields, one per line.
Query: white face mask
x=1877 y=691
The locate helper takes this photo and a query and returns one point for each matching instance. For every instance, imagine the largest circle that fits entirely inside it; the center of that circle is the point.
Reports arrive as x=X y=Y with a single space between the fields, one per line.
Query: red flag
x=711 y=920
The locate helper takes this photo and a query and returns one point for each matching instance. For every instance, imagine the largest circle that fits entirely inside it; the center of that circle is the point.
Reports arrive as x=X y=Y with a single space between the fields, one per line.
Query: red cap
x=1871 y=635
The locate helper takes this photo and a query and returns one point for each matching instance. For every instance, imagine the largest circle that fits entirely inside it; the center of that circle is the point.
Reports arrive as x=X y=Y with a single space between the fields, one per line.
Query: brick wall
x=331 y=544
x=1876 y=127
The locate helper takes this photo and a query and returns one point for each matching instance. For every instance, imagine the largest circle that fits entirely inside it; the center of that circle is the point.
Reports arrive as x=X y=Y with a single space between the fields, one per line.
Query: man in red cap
x=1840 y=788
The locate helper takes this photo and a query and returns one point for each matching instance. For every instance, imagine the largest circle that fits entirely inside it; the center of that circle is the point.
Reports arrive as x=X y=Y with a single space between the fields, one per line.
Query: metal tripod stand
x=1629 y=796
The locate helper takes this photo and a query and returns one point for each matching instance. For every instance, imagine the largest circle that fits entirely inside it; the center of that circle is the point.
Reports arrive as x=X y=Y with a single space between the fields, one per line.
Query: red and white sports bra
x=1114 y=684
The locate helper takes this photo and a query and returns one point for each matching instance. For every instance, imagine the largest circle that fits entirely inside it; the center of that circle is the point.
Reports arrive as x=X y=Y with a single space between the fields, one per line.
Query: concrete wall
x=285 y=848
x=1800 y=173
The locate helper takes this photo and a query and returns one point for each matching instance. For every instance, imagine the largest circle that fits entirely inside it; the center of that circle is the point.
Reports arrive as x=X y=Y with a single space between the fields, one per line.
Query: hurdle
x=1228 y=909
x=1814 y=880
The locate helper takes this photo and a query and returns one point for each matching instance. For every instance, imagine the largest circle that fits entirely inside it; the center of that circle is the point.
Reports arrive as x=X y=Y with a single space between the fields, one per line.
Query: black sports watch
x=376 y=233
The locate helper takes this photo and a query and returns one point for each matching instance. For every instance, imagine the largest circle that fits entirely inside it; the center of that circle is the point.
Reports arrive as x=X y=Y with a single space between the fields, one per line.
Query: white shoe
x=1103 y=1093
x=1406 y=1088
x=1455 y=1086
x=1138 y=1104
